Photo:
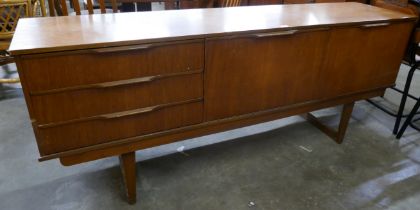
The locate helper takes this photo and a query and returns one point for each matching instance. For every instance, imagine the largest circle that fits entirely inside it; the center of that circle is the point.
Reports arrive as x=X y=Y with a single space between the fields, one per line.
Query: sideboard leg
x=336 y=135
x=128 y=169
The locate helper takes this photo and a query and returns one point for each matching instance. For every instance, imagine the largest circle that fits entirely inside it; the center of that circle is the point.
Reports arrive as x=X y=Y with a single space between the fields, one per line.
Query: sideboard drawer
x=114 y=126
x=67 y=69
x=86 y=101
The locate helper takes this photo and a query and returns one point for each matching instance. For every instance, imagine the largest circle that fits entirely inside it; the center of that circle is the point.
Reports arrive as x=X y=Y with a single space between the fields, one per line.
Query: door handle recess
x=274 y=34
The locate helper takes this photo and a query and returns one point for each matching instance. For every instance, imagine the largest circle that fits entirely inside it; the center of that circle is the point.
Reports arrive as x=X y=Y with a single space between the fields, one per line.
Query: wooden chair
x=230 y=3
x=191 y=4
x=38 y=8
x=409 y=59
x=59 y=7
x=11 y=11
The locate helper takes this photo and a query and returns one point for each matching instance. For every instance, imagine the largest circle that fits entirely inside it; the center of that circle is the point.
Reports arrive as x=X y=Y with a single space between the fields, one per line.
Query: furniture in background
x=229 y=3
x=409 y=59
x=409 y=121
x=196 y=4
x=228 y=75
x=60 y=8
x=135 y=6
x=145 y=5
x=10 y=12
x=414 y=62
x=38 y=8
x=263 y=2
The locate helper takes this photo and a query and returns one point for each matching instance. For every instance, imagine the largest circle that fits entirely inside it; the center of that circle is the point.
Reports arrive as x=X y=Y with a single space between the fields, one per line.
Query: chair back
x=229 y=3
x=38 y=8
x=59 y=7
x=10 y=12
x=190 y=4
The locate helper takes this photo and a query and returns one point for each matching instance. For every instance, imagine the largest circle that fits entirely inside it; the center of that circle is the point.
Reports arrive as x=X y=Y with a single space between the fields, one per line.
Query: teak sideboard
x=108 y=85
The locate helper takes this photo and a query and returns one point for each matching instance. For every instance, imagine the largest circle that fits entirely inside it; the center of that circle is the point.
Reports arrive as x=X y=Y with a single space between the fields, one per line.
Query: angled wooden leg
x=336 y=135
x=128 y=169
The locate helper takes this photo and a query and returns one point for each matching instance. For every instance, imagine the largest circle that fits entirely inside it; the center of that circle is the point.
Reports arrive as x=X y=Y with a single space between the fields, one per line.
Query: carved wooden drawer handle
x=131 y=112
x=274 y=34
x=127 y=82
x=116 y=83
x=375 y=25
x=119 y=114
x=123 y=48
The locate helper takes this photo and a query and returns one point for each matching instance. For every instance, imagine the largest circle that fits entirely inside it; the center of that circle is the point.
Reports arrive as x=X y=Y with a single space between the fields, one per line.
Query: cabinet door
x=262 y=71
x=363 y=58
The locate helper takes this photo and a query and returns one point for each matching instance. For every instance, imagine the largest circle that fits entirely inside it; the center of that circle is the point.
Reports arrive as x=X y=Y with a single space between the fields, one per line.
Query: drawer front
x=87 y=101
x=107 y=128
x=53 y=71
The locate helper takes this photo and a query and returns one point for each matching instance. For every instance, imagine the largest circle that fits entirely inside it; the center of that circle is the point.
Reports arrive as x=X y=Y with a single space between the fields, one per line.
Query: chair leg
x=404 y=98
x=409 y=118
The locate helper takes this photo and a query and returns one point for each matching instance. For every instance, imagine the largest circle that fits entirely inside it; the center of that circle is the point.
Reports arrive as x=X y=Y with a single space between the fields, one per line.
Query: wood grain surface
x=104 y=30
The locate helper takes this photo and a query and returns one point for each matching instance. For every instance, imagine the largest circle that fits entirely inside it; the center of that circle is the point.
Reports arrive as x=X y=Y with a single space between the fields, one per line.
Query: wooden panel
x=361 y=58
x=110 y=64
x=83 y=32
x=262 y=71
x=68 y=105
x=81 y=134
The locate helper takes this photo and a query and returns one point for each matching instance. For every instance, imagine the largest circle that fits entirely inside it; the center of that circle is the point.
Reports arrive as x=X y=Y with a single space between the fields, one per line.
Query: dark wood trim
x=85 y=154
x=104 y=85
x=336 y=135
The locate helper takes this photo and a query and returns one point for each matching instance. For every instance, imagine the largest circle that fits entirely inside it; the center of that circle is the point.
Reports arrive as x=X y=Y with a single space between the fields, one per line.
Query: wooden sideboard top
x=51 y=34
